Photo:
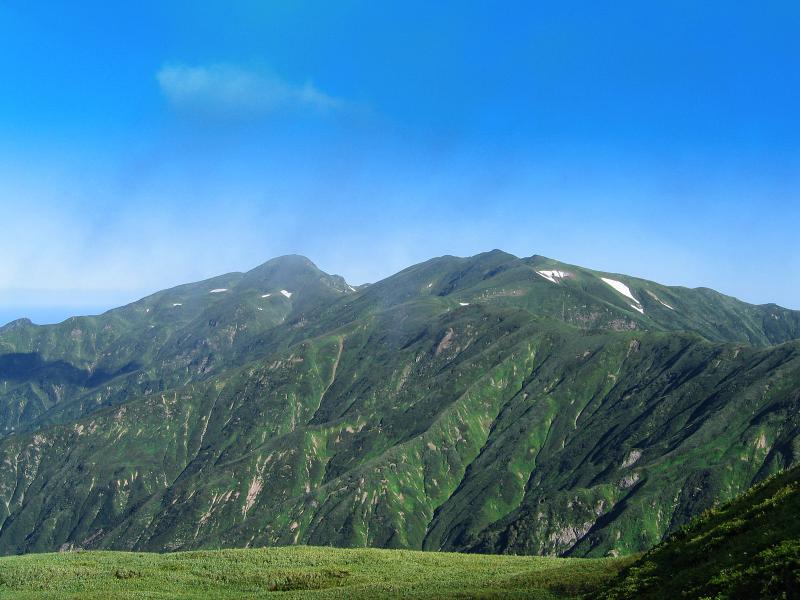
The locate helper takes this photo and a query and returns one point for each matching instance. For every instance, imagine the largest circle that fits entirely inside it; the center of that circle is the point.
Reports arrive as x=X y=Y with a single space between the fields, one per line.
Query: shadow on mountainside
x=31 y=365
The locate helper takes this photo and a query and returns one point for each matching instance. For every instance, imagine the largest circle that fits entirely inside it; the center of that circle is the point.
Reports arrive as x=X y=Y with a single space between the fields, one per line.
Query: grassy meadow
x=299 y=572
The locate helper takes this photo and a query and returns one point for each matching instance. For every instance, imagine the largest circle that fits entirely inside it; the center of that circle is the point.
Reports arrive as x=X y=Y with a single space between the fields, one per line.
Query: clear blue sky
x=146 y=144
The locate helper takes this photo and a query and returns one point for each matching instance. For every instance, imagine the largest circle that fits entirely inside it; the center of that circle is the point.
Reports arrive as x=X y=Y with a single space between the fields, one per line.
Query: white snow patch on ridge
x=266 y=295
x=218 y=290
x=463 y=303
x=287 y=294
x=625 y=291
x=554 y=276
x=620 y=287
x=177 y=304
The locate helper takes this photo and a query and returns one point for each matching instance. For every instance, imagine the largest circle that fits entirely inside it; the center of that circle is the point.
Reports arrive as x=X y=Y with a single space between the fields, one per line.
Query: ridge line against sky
x=100 y=301
x=150 y=145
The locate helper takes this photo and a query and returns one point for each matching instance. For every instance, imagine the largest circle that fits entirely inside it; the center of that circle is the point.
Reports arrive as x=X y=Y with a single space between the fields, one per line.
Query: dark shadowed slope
x=748 y=548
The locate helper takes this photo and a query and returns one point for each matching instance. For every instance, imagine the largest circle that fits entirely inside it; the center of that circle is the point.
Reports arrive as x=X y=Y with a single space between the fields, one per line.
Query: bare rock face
x=632 y=458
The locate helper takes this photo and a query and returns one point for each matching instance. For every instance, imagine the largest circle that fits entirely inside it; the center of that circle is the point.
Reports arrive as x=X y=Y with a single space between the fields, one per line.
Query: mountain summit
x=490 y=403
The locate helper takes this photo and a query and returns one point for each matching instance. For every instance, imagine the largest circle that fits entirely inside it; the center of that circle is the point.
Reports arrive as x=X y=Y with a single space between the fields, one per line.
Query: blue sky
x=152 y=143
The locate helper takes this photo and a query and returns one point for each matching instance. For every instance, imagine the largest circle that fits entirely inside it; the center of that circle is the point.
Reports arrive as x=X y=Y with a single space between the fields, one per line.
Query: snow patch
x=259 y=308
x=625 y=291
x=463 y=303
x=218 y=290
x=352 y=289
x=554 y=276
x=177 y=304
x=287 y=294
x=266 y=295
x=620 y=287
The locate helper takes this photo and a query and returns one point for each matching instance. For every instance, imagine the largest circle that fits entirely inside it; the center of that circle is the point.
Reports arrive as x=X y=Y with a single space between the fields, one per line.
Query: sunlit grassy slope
x=299 y=572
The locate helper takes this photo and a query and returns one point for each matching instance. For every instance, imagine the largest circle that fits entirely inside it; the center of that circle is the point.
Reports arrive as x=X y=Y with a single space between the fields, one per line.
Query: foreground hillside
x=749 y=548
x=299 y=572
x=491 y=404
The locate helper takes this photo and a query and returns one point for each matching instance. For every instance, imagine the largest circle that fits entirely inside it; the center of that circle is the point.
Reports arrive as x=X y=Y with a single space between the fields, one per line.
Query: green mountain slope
x=184 y=334
x=748 y=548
x=488 y=404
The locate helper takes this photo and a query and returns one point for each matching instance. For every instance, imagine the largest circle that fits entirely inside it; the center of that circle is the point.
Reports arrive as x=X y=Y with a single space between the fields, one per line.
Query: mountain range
x=483 y=404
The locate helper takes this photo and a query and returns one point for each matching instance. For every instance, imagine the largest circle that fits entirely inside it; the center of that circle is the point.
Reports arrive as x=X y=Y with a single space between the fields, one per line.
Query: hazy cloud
x=231 y=91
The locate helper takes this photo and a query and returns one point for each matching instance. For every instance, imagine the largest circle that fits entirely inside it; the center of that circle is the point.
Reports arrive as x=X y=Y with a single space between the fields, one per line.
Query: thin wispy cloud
x=226 y=90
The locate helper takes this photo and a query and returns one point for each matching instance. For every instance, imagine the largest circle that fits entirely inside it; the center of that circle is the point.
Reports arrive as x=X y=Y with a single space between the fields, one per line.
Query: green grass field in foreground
x=299 y=572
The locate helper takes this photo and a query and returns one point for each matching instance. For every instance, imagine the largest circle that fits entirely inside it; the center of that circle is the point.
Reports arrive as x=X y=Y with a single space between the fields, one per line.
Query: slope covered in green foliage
x=748 y=548
x=490 y=404
x=299 y=572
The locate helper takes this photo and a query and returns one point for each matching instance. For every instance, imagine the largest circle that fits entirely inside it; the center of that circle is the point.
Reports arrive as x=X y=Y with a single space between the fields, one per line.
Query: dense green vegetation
x=300 y=572
x=749 y=548
x=472 y=404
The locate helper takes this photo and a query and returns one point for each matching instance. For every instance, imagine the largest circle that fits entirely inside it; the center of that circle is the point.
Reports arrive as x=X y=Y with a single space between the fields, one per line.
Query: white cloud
x=231 y=91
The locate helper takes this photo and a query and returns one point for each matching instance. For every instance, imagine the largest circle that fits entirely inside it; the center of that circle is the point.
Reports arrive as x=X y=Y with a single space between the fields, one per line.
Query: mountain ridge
x=488 y=403
x=301 y=259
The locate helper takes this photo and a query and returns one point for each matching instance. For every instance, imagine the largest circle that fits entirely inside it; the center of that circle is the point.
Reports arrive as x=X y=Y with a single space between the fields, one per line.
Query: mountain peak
x=24 y=322
x=290 y=266
x=496 y=254
x=286 y=261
